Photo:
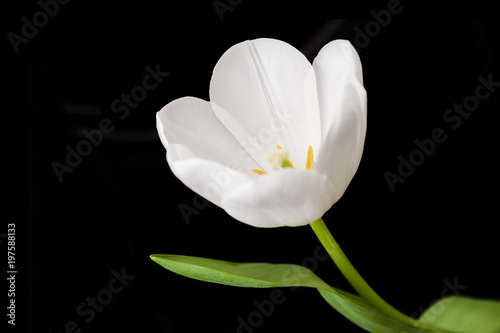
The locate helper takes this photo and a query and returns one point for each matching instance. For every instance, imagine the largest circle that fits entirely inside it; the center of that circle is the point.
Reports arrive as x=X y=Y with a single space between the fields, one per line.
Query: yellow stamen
x=259 y=172
x=309 y=158
x=279 y=147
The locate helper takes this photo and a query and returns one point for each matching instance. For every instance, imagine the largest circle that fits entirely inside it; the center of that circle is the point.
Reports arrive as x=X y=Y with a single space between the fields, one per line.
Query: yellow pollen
x=259 y=172
x=279 y=147
x=309 y=158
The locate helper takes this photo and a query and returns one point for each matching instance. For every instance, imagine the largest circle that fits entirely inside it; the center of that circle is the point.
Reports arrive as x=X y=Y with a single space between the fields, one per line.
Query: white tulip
x=264 y=95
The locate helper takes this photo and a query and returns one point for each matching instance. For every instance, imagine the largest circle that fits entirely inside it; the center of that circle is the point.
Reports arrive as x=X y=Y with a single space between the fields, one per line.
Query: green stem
x=352 y=275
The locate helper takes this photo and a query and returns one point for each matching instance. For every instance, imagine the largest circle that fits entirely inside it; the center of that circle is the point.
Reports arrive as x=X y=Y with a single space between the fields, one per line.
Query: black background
x=121 y=204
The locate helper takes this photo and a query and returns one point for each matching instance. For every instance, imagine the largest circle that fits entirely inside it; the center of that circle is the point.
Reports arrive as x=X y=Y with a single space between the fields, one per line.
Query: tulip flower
x=280 y=139
x=277 y=145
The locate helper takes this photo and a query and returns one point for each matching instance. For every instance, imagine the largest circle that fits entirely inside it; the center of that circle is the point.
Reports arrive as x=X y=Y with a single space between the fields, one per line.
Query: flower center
x=281 y=159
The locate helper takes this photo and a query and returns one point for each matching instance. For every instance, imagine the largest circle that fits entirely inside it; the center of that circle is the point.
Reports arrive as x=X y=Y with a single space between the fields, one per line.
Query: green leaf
x=265 y=275
x=356 y=310
x=252 y=275
x=464 y=314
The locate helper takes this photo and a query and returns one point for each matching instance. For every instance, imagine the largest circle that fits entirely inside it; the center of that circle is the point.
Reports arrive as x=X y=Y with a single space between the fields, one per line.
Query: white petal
x=283 y=198
x=200 y=150
x=208 y=179
x=342 y=101
x=264 y=91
